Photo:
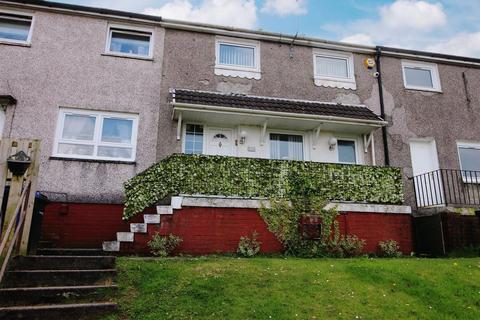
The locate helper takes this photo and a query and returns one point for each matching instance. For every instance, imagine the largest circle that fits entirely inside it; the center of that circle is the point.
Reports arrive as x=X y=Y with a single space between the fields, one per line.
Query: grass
x=278 y=288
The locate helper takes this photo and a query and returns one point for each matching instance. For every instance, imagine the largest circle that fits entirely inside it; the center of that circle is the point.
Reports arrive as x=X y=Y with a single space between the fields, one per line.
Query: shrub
x=249 y=247
x=163 y=246
x=389 y=249
x=351 y=245
x=283 y=219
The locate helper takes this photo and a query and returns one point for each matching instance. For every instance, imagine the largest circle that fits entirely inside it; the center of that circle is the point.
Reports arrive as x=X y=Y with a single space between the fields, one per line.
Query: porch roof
x=292 y=106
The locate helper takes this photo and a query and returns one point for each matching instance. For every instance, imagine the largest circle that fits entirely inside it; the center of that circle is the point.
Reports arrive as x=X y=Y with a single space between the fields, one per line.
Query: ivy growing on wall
x=249 y=177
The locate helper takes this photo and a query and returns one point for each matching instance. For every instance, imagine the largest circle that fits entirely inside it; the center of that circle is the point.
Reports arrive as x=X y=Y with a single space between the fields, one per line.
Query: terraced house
x=225 y=118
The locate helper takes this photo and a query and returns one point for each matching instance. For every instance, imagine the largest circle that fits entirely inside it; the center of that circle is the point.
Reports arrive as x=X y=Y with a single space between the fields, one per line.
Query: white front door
x=220 y=141
x=428 y=180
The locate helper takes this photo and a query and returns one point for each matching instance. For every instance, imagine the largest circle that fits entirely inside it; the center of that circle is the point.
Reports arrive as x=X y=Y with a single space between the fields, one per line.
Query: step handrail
x=18 y=218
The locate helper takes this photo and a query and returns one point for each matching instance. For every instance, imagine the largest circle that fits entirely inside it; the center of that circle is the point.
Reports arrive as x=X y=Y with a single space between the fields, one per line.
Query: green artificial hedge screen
x=251 y=177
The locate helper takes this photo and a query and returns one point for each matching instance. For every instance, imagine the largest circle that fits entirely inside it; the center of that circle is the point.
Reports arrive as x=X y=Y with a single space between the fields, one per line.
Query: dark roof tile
x=273 y=104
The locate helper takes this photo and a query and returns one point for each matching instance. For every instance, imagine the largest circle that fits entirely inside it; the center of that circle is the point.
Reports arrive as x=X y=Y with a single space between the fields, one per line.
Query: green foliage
x=351 y=245
x=389 y=249
x=283 y=218
x=249 y=177
x=163 y=246
x=249 y=247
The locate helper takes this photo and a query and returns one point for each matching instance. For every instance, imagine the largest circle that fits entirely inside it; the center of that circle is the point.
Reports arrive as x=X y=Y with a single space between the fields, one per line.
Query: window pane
x=469 y=158
x=237 y=56
x=332 y=67
x=78 y=127
x=346 y=151
x=115 y=152
x=138 y=44
x=75 y=149
x=13 y=29
x=286 y=147
x=194 y=139
x=418 y=77
x=117 y=130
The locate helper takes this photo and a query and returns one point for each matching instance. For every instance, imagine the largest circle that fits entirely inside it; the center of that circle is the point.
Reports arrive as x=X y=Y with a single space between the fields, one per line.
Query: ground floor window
x=347 y=151
x=193 y=139
x=286 y=146
x=85 y=134
x=469 y=154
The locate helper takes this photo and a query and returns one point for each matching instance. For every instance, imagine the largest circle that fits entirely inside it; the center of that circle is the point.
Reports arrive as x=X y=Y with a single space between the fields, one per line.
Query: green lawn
x=278 y=288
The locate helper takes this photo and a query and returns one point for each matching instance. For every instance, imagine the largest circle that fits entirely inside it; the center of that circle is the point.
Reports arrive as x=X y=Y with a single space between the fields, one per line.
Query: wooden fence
x=17 y=217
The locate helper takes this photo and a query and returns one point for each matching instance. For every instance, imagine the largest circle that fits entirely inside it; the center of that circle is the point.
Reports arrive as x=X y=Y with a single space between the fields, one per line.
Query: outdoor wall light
x=243 y=136
x=332 y=142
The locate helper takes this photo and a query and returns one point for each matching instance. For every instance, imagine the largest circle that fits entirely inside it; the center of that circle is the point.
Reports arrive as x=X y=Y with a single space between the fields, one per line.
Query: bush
x=389 y=249
x=351 y=246
x=163 y=246
x=249 y=247
x=283 y=218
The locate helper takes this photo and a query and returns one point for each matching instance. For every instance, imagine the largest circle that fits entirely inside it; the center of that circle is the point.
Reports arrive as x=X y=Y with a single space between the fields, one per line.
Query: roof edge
x=252 y=34
x=173 y=91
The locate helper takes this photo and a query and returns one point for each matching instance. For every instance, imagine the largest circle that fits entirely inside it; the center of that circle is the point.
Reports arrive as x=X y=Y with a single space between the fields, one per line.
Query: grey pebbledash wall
x=64 y=66
x=189 y=62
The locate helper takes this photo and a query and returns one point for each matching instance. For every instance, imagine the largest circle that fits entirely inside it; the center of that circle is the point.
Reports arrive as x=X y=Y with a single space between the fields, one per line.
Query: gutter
x=333 y=119
x=382 y=105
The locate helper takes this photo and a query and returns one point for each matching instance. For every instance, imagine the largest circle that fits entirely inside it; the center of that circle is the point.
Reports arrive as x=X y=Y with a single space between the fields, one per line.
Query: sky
x=445 y=26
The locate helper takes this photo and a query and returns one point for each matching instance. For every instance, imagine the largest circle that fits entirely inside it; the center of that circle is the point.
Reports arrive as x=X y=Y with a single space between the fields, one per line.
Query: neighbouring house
x=120 y=97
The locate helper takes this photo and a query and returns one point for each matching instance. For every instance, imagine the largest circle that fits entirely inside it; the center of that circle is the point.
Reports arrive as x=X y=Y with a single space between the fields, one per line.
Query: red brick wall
x=203 y=230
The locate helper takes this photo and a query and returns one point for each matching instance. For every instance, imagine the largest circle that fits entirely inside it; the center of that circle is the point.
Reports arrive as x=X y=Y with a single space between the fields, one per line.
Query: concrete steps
x=134 y=241
x=59 y=284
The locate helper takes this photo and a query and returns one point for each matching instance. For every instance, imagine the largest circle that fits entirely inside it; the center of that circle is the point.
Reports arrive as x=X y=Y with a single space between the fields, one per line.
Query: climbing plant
x=250 y=177
x=284 y=219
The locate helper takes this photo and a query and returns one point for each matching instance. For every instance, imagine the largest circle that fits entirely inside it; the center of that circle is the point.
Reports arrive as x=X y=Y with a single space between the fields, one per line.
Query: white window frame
x=356 y=150
x=133 y=30
x=238 y=71
x=305 y=145
x=100 y=115
x=470 y=145
x=335 y=82
x=432 y=67
x=184 y=135
x=19 y=13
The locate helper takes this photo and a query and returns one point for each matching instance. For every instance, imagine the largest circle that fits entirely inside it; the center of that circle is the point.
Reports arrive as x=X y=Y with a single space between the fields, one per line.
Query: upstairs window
x=469 y=154
x=286 y=146
x=237 y=58
x=421 y=76
x=193 y=139
x=130 y=42
x=84 y=134
x=15 y=28
x=347 y=151
x=334 y=69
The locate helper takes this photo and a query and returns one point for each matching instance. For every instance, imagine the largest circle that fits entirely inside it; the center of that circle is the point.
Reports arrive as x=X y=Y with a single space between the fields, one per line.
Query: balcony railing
x=264 y=178
x=447 y=187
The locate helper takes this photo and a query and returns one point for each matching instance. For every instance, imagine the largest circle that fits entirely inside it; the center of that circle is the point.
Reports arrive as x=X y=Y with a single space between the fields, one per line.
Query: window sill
x=342 y=84
x=237 y=73
x=109 y=54
x=423 y=90
x=16 y=44
x=93 y=160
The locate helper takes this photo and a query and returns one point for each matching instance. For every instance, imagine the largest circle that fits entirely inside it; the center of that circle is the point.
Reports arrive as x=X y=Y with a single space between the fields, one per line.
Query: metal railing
x=445 y=187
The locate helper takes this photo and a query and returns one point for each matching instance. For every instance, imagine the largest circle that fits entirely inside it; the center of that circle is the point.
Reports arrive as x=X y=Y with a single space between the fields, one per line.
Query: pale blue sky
x=448 y=26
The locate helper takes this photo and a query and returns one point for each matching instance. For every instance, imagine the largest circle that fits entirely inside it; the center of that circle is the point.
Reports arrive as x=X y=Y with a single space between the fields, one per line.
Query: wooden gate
x=16 y=155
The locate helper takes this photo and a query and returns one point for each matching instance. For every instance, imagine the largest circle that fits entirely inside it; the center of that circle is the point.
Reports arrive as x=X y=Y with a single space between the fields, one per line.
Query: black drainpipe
x=382 y=105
